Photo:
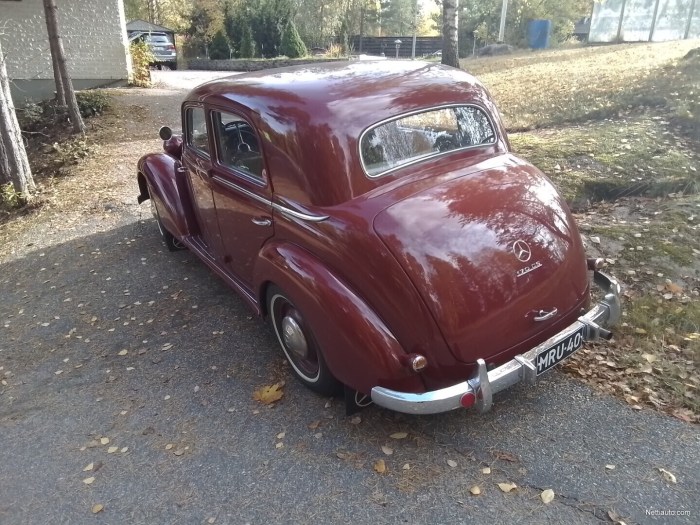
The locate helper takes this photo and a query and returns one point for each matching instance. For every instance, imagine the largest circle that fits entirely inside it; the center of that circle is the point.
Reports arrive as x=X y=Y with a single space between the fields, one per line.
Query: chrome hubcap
x=293 y=337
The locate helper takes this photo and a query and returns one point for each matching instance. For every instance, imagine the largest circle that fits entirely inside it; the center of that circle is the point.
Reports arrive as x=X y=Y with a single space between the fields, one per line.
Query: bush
x=219 y=48
x=141 y=60
x=292 y=44
x=11 y=199
x=92 y=102
x=30 y=116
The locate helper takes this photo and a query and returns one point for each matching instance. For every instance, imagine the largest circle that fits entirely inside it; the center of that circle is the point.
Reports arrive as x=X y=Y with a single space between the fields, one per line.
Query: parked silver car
x=162 y=48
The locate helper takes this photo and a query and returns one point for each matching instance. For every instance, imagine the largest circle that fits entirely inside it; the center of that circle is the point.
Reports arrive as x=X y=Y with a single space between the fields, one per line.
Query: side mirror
x=165 y=133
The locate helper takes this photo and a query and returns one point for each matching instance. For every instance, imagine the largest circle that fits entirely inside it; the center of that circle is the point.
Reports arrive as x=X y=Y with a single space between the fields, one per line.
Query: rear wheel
x=169 y=239
x=299 y=344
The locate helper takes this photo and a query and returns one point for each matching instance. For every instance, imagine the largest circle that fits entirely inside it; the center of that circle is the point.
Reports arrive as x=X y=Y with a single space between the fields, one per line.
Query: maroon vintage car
x=374 y=213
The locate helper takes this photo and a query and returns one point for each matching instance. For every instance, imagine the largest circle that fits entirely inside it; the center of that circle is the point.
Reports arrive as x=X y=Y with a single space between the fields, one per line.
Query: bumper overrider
x=478 y=391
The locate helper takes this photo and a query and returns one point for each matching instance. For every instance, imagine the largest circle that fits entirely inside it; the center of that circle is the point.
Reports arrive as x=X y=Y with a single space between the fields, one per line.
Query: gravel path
x=108 y=340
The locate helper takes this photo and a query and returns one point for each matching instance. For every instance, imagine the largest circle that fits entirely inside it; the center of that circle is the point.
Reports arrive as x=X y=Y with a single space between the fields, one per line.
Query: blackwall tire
x=169 y=239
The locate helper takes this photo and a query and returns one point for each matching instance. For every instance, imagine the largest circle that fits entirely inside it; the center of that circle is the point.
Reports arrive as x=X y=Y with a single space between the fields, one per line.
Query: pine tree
x=219 y=48
x=247 y=48
x=292 y=44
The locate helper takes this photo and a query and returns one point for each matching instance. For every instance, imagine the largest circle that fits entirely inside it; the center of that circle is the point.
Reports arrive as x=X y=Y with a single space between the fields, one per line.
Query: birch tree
x=450 y=46
x=14 y=165
x=58 y=55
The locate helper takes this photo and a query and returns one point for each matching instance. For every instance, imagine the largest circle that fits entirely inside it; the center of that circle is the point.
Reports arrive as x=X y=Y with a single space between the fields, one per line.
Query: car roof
x=360 y=93
x=312 y=116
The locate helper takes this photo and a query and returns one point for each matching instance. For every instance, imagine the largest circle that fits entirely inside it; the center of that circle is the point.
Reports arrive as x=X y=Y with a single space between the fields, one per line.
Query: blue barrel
x=538 y=32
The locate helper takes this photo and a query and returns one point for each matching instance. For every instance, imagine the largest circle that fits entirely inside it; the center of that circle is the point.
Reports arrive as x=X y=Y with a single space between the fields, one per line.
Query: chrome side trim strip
x=298 y=215
x=239 y=189
x=282 y=209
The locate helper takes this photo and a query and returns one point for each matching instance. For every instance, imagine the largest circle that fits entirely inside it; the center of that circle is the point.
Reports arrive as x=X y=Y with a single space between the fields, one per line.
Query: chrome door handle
x=261 y=221
x=543 y=316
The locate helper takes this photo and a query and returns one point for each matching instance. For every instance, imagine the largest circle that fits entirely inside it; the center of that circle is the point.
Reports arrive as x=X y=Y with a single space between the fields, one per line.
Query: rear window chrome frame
x=427 y=157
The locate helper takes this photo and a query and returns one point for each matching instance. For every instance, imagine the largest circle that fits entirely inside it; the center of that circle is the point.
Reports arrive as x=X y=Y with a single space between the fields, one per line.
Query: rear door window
x=237 y=144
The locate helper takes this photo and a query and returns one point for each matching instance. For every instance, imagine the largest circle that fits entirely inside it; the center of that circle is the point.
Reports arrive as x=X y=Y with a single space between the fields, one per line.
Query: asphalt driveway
x=141 y=365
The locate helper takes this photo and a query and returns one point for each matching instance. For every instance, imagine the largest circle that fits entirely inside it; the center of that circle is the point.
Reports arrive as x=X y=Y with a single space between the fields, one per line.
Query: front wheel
x=299 y=344
x=169 y=239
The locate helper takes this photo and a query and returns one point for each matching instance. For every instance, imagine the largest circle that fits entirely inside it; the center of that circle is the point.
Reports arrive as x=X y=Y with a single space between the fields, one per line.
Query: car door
x=242 y=193
x=196 y=158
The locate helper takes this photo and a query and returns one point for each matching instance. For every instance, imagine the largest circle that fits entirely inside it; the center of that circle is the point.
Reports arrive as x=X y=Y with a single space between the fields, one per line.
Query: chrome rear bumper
x=521 y=368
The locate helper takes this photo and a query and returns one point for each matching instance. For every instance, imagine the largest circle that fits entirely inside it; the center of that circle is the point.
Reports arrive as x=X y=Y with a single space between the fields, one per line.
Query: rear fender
x=162 y=178
x=359 y=349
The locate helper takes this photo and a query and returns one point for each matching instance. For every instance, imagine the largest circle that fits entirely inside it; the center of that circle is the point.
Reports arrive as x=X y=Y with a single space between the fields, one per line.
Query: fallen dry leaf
x=387 y=450
x=314 y=424
x=406 y=466
x=269 y=394
x=668 y=476
x=123 y=352
x=610 y=467
x=475 y=490
x=104 y=441
x=486 y=470
x=505 y=456
x=674 y=288
x=380 y=466
x=97 y=507
x=356 y=420
x=398 y=435
x=112 y=450
x=89 y=467
x=452 y=463
x=88 y=481
x=168 y=446
x=507 y=487
x=281 y=435
x=547 y=496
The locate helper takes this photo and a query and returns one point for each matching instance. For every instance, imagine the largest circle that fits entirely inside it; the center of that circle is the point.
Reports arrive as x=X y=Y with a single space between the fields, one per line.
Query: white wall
x=94 y=37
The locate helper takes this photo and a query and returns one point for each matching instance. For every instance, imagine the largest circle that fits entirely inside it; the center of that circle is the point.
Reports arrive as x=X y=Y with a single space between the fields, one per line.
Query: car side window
x=197 y=135
x=237 y=144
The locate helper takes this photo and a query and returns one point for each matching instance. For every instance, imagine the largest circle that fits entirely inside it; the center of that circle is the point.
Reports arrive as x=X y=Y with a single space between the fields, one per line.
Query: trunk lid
x=488 y=252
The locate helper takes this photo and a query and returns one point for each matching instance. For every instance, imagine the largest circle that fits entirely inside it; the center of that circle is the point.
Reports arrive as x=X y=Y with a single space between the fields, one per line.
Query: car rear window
x=157 y=39
x=412 y=138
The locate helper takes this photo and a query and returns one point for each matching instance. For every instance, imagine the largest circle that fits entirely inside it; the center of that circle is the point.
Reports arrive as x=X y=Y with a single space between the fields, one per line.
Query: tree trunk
x=60 y=91
x=14 y=165
x=50 y=11
x=450 y=46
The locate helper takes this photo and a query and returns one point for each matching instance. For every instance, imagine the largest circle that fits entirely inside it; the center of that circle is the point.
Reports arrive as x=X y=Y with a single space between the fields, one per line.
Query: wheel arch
x=359 y=349
x=161 y=173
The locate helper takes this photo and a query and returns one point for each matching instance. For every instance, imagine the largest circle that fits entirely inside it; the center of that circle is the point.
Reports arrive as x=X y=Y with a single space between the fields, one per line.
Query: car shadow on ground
x=140 y=364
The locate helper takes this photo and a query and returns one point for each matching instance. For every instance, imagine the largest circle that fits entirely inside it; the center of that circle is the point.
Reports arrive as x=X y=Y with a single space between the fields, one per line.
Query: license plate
x=546 y=359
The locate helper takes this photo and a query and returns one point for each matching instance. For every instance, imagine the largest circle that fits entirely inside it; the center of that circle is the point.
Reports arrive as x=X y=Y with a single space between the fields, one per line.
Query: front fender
x=358 y=347
x=162 y=179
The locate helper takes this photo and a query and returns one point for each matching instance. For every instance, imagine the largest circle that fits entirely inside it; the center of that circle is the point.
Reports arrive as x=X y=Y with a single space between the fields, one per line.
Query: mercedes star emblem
x=522 y=251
